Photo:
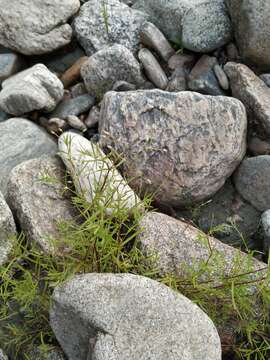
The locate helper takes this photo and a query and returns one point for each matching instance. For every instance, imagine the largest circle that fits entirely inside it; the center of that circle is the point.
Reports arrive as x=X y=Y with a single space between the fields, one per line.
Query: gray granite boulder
x=33 y=89
x=109 y=65
x=37 y=26
x=7 y=230
x=175 y=145
x=21 y=140
x=101 y=24
x=36 y=195
x=252 y=181
x=124 y=316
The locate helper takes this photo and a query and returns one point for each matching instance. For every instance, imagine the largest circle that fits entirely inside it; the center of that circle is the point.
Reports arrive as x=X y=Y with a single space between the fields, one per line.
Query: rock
x=123 y=86
x=202 y=77
x=75 y=106
x=51 y=354
x=21 y=140
x=252 y=91
x=185 y=61
x=153 y=38
x=3 y=356
x=251 y=29
x=35 y=193
x=100 y=24
x=152 y=69
x=76 y=123
x=38 y=27
x=94 y=175
x=124 y=316
x=7 y=231
x=258 y=147
x=266 y=229
x=77 y=90
x=4 y=116
x=266 y=79
x=10 y=63
x=33 y=89
x=232 y=52
x=73 y=74
x=175 y=144
x=222 y=77
x=177 y=81
x=251 y=181
x=107 y=66
x=199 y=25
x=54 y=125
x=93 y=117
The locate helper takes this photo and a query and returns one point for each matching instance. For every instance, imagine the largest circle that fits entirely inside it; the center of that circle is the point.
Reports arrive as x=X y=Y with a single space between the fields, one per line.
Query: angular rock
x=124 y=316
x=35 y=193
x=10 y=63
x=175 y=145
x=33 y=89
x=252 y=91
x=107 y=66
x=152 y=69
x=36 y=27
x=75 y=106
x=21 y=140
x=100 y=24
x=200 y=25
x=202 y=77
x=251 y=29
x=7 y=230
x=94 y=175
x=252 y=181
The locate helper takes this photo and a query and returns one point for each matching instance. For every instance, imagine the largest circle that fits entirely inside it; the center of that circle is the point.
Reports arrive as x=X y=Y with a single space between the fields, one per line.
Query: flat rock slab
x=7 y=230
x=104 y=23
x=36 y=26
x=33 y=89
x=176 y=145
x=119 y=317
x=36 y=196
x=21 y=140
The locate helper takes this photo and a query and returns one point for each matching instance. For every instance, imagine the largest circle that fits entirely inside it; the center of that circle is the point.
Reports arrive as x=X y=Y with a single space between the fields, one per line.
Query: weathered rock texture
x=176 y=145
x=119 y=317
x=36 y=196
x=7 y=230
x=36 y=26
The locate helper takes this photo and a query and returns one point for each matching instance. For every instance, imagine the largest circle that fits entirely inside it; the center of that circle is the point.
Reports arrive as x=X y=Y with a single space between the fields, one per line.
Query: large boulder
x=104 y=23
x=33 y=89
x=36 y=195
x=175 y=145
x=37 y=26
x=252 y=91
x=21 y=140
x=250 y=20
x=124 y=316
x=198 y=25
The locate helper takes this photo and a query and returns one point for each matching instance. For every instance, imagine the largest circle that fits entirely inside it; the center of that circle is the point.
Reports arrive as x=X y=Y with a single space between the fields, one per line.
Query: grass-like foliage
x=237 y=300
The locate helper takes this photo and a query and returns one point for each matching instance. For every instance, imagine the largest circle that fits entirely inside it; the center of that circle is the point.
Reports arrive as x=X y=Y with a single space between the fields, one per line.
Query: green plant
x=105 y=16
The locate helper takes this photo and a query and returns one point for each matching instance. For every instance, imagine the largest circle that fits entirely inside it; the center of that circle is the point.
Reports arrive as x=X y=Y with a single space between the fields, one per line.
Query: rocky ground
x=180 y=91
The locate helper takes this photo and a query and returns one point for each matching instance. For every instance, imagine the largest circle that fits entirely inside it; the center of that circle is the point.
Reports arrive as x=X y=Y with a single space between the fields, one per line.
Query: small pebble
x=222 y=77
x=93 y=117
x=76 y=123
x=73 y=74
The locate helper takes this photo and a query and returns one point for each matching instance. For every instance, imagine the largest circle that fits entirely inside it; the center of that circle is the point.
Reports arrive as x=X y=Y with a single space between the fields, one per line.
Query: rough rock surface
x=251 y=29
x=75 y=106
x=94 y=176
x=36 y=27
x=175 y=144
x=33 y=89
x=204 y=25
x=10 y=63
x=252 y=181
x=252 y=91
x=7 y=229
x=35 y=193
x=109 y=65
x=266 y=231
x=124 y=316
x=101 y=24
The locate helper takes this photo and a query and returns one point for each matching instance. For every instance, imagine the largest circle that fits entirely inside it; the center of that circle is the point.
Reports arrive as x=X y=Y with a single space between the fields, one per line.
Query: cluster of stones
x=163 y=84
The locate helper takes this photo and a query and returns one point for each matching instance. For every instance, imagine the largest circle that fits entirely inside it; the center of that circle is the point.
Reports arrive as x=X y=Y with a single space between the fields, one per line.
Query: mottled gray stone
x=75 y=106
x=21 y=140
x=258 y=146
x=35 y=193
x=252 y=181
x=202 y=77
x=78 y=89
x=266 y=79
x=33 y=89
x=76 y=123
x=7 y=230
x=109 y=65
x=10 y=63
x=266 y=230
x=178 y=81
x=175 y=145
x=252 y=91
x=153 y=70
x=124 y=316
x=200 y=25
x=36 y=27
x=101 y=24
x=250 y=20
x=183 y=61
